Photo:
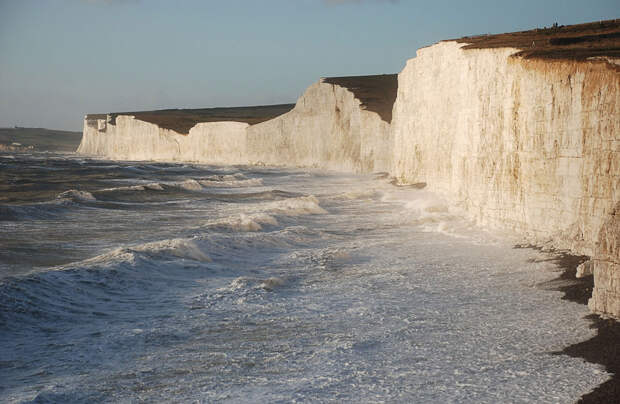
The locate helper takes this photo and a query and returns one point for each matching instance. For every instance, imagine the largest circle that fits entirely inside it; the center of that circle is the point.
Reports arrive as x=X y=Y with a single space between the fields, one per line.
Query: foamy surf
x=244 y=222
x=278 y=286
x=253 y=182
x=303 y=205
x=169 y=248
x=76 y=195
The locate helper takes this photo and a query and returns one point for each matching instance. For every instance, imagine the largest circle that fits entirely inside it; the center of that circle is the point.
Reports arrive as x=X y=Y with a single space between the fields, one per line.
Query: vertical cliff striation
x=338 y=123
x=528 y=144
x=211 y=135
x=330 y=127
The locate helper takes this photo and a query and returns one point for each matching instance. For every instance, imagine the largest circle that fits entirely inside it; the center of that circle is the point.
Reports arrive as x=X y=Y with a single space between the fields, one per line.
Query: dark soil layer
x=376 y=93
x=182 y=120
x=573 y=42
x=604 y=348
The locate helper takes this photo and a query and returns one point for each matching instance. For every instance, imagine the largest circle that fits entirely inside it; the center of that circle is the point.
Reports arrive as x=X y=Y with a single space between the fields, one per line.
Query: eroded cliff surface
x=329 y=127
x=527 y=144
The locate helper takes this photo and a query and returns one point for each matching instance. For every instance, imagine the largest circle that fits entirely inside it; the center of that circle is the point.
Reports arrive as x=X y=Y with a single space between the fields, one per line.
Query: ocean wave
x=249 y=283
x=244 y=222
x=225 y=177
x=252 y=182
x=127 y=188
x=363 y=194
x=162 y=249
x=189 y=185
x=36 y=211
x=76 y=196
x=155 y=186
x=329 y=259
x=178 y=247
x=431 y=213
x=303 y=205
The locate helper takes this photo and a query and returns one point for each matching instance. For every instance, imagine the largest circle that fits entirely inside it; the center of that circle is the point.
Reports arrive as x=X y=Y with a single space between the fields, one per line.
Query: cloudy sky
x=61 y=59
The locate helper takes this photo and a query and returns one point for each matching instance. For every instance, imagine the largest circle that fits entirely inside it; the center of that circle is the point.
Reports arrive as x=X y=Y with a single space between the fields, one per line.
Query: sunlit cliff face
x=529 y=145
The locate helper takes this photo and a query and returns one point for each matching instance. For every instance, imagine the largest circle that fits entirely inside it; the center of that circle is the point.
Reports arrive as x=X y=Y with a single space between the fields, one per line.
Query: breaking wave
x=252 y=182
x=77 y=196
x=303 y=205
x=244 y=222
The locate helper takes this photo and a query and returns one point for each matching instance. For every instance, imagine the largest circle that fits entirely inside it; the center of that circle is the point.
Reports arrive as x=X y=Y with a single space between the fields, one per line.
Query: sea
x=133 y=282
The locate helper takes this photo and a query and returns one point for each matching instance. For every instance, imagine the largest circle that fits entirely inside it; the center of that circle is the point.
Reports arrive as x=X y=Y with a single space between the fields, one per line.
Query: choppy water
x=124 y=282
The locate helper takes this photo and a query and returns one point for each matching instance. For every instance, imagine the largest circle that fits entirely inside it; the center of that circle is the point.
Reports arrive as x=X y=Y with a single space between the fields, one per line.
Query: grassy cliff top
x=376 y=93
x=573 y=42
x=182 y=120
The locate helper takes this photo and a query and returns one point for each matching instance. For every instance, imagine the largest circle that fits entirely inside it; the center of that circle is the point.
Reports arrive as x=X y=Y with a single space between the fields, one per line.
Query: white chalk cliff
x=529 y=145
x=532 y=145
x=327 y=128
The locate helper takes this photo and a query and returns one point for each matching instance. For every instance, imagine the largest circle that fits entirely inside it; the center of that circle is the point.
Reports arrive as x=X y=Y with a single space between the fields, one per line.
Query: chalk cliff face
x=530 y=145
x=133 y=139
x=328 y=129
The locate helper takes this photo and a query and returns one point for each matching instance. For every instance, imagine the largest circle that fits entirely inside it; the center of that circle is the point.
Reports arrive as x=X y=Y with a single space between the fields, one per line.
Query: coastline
x=536 y=150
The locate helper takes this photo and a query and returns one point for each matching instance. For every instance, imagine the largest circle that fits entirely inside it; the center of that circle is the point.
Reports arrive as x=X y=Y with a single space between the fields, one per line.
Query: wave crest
x=303 y=205
x=77 y=196
x=245 y=223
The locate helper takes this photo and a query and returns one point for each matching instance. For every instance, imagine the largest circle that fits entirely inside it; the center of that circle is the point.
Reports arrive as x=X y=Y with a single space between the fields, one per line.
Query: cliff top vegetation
x=376 y=93
x=574 y=42
x=182 y=120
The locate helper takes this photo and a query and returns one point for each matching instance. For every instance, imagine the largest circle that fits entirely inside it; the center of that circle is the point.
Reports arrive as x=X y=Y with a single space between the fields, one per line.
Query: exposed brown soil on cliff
x=182 y=120
x=572 y=42
x=376 y=93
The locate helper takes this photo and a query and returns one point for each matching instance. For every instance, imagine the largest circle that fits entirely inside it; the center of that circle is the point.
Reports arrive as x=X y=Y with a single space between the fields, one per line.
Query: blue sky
x=61 y=59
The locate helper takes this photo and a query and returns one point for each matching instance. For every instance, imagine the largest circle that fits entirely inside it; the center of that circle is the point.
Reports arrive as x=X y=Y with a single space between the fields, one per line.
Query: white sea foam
x=127 y=188
x=248 y=283
x=244 y=222
x=154 y=186
x=365 y=194
x=190 y=185
x=177 y=247
x=303 y=205
x=226 y=177
x=234 y=183
x=75 y=195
